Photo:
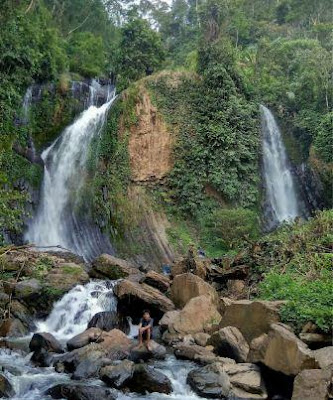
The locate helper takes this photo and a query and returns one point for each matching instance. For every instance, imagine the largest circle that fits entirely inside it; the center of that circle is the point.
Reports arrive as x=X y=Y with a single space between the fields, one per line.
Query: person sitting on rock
x=146 y=329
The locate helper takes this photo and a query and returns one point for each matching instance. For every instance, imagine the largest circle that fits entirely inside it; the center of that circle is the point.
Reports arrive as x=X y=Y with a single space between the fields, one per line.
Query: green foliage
x=323 y=142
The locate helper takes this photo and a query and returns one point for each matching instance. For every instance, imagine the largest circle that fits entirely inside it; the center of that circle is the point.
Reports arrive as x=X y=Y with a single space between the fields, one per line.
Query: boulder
x=62 y=278
x=252 y=318
x=109 y=267
x=44 y=340
x=229 y=342
x=133 y=297
x=324 y=357
x=28 y=289
x=138 y=353
x=108 y=320
x=158 y=281
x=197 y=316
x=197 y=265
x=315 y=340
x=6 y=389
x=12 y=327
x=168 y=319
x=193 y=352
x=187 y=286
x=236 y=289
x=312 y=384
x=147 y=379
x=76 y=391
x=246 y=381
x=201 y=338
x=82 y=339
x=117 y=375
x=210 y=382
x=282 y=351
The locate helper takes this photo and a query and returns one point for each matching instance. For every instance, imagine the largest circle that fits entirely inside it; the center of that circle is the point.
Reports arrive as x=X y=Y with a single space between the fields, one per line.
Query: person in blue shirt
x=146 y=329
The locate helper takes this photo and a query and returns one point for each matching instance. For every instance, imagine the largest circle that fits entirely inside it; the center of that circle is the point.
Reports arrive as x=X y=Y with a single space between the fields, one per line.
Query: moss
x=71 y=270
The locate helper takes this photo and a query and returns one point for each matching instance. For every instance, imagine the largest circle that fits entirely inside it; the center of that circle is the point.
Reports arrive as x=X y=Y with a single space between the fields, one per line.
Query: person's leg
x=148 y=338
x=140 y=337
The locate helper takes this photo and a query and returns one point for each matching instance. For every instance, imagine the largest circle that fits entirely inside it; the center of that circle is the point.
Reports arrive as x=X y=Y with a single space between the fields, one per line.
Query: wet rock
x=108 y=320
x=201 y=338
x=187 y=286
x=27 y=290
x=312 y=384
x=147 y=379
x=197 y=316
x=229 y=342
x=118 y=375
x=324 y=357
x=12 y=327
x=6 y=389
x=44 y=340
x=64 y=277
x=90 y=335
x=138 y=353
x=282 y=351
x=74 y=391
x=133 y=297
x=158 y=281
x=252 y=318
x=210 y=382
x=110 y=267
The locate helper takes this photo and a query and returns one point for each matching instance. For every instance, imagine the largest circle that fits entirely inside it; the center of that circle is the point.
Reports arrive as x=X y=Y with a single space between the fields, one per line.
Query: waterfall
x=27 y=99
x=280 y=189
x=56 y=222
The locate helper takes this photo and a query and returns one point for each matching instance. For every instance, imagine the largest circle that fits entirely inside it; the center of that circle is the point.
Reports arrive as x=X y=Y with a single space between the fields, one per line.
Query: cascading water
x=56 y=222
x=281 y=195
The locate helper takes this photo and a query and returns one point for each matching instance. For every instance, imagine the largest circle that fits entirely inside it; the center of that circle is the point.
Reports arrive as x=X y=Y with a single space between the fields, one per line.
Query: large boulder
x=28 y=289
x=210 y=382
x=141 y=353
x=198 y=315
x=108 y=320
x=187 y=286
x=109 y=267
x=193 y=352
x=168 y=319
x=229 y=342
x=133 y=297
x=117 y=375
x=312 y=384
x=82 y=339
x=282 y=351
x=156 y=280
x=77 y=391
x=324 y=357
x=12 y=327
x=147 y=379
x=252 y=318
x=44 y=340
x=6 y=389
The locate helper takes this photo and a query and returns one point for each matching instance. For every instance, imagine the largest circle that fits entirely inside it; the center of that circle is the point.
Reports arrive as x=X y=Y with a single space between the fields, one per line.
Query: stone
x=64 y=277
x=117 y=375
x=158 y=281
x=324 y=356
x=168 y=319
x=252 y=318
x=312 y=384
x=211 y=381
x=187 y=286
x=134 y=297
x=12 y=327
x=229 y=342
x=6 y=389
x=82 y=339
x=44 y=340
x=236 y=289
x=198 y=314
x=109 y=267
x=192 y=352
x=315 y=340
x=201 y=338
x=246 y=381
x=281 y=350
x=108 y=320
x=27 y=290
x=147 y=379
x=197 y=265
x=76 y=391
x=141 y=353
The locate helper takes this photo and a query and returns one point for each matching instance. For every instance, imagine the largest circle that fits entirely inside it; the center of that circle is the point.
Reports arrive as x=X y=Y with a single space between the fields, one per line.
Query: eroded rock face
x=229 y=342
x=312 y=384
x=133 y=297
x=197 y=316
x=282 y=351
x=187 y=286
x=252 y=318
x=110 y=267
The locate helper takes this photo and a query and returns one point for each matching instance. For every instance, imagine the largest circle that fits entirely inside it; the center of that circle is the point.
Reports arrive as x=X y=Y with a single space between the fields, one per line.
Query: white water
x=56 y=223
x=26 y=105
x=281 y=194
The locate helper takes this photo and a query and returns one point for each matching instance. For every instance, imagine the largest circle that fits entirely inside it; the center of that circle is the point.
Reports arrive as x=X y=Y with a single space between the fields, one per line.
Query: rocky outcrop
x=252 y=318
x=133 y=297
x=108 y=320
x=110 y=267
x=187 y=286
x=229 y=342
x=199 y=315
x=282 y=351
x=312 y=384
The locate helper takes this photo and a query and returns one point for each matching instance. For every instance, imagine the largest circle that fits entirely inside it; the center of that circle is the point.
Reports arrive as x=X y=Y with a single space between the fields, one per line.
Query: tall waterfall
x=65 y=170
x=281 y=195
